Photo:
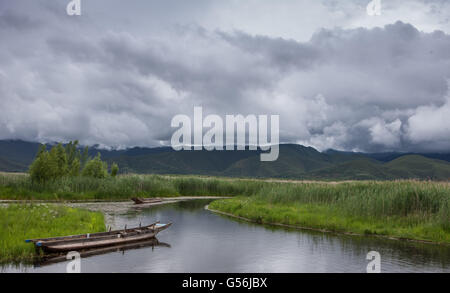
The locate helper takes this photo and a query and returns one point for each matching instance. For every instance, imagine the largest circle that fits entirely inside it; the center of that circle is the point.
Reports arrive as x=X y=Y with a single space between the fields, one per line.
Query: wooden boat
x=102 y=239
x=140 y=200
x=51 y=258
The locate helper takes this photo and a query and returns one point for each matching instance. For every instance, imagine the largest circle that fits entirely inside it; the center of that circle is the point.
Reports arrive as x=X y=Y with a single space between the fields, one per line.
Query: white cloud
x=386 y=134
x=430 y=125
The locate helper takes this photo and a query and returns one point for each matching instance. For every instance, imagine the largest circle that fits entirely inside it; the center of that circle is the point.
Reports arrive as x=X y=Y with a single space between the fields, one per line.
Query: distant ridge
x=294 y=162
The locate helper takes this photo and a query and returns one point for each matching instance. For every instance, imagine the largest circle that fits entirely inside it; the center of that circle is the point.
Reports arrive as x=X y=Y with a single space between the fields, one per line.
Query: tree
x=67 y=161
x=73 y=158
x=42 y=149
x=49 y=165
x=41 y=169
x=74 y=169
x=114 y=170
x=72 y=152
x=59 y=155
x=84 y=157
x=95 y=168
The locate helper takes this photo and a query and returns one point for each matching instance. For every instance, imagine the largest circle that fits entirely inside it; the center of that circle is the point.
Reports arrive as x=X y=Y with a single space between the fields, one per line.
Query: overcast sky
x=117 y=74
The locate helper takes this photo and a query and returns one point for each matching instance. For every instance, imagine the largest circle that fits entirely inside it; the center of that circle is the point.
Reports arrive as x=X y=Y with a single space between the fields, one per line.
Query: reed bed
x=123 y=187
x=404 y=209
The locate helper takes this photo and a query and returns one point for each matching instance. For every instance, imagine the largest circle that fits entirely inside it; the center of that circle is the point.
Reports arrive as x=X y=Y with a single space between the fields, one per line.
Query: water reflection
x=55 y=258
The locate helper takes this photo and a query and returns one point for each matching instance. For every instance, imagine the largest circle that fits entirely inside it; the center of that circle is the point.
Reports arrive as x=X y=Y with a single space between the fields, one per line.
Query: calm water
x=201 y=241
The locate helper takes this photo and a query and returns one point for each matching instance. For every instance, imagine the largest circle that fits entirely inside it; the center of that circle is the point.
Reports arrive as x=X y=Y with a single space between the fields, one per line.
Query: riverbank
x=402 y=210
x=343 y=232
x=28 y=221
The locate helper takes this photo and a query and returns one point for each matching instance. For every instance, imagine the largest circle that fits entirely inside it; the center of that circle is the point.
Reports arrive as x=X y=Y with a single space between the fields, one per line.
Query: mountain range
x=294 y=162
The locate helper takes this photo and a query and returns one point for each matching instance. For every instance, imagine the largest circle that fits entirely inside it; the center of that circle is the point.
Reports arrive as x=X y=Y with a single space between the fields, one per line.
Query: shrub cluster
x=68 y=161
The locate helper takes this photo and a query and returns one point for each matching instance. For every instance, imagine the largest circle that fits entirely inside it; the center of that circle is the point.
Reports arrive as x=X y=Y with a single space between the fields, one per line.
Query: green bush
x=95 y=168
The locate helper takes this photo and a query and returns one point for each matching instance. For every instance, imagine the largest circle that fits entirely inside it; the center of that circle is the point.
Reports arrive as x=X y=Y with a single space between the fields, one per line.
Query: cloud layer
x=117 y=80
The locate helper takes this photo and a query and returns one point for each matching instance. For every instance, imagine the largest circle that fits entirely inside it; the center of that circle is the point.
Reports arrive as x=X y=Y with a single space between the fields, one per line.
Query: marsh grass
x=404 y=209
x=21 y=187
x=27 y=221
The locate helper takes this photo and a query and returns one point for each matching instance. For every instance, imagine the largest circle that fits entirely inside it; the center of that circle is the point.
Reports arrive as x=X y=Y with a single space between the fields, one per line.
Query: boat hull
x=51 y=258
x=96 y=244
x=138 y=200
x=98 y=240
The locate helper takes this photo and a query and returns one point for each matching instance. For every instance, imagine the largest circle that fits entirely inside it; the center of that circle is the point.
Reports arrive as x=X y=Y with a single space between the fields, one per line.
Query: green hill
x=8 y=166
x=17 y=152
x=405 y=167
x=184 y=162
x=294 y=161
x=415 y=166
x=358 y=169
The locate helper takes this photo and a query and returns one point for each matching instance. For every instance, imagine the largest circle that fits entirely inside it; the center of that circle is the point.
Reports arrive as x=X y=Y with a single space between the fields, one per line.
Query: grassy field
x=20 y=222
x=404 y=209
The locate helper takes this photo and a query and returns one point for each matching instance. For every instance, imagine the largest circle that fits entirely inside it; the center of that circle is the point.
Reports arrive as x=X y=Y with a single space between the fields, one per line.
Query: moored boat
x=51 y=258
x=140 y=200
x=102 y=239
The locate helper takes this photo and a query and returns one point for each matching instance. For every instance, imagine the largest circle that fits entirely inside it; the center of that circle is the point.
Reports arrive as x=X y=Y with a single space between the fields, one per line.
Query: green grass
x=20 y=187
x=405 y=209
x=20 y=222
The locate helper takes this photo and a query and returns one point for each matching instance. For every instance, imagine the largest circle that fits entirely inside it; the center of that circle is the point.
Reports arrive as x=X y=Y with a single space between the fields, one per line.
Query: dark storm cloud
x=9 y=19
x=114 y=82
x=281 y=53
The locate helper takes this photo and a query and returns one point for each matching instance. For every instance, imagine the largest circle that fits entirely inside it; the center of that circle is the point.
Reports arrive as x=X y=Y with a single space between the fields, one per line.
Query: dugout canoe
x=140 y=200
x=102 y=239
